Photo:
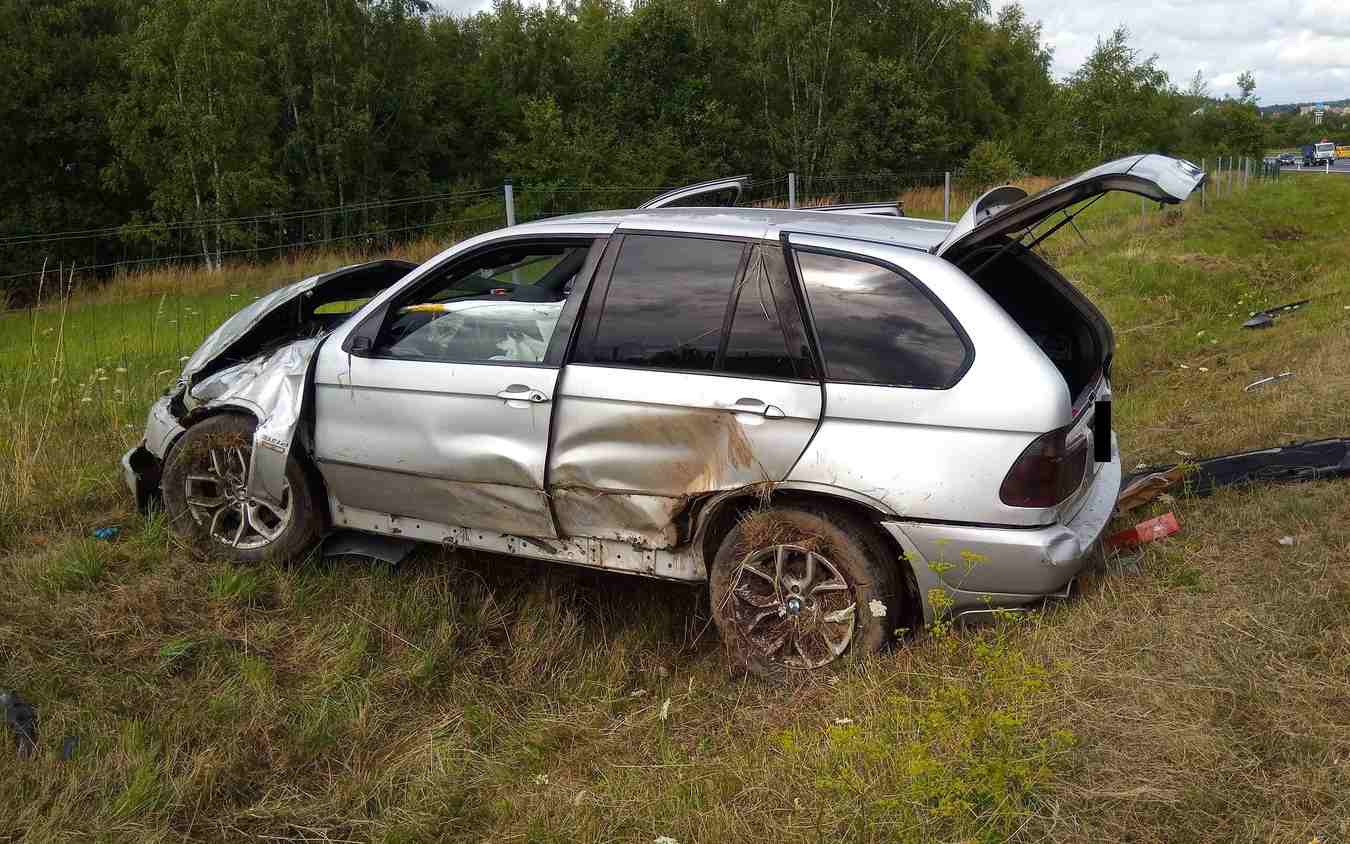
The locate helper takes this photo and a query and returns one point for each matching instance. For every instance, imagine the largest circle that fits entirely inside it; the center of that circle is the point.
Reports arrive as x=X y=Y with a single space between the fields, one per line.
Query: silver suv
x=844 y=420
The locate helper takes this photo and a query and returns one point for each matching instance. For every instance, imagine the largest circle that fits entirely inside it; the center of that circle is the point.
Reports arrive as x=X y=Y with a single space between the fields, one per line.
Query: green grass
x=1204 y=696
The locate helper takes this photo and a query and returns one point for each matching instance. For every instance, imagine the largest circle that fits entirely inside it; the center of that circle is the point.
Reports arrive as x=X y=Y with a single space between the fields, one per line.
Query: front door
x=691 y=374
x=438 y=406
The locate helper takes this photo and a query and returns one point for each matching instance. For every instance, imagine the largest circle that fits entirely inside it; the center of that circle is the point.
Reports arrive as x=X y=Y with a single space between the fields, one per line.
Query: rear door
x=691 y=374
x=1006 y=210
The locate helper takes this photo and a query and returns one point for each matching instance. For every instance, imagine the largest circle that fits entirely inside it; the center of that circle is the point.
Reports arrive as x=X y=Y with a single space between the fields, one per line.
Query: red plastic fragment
x=1164 y=525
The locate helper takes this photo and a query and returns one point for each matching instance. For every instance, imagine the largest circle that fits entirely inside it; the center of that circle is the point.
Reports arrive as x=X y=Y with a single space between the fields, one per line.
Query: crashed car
x=846 y=422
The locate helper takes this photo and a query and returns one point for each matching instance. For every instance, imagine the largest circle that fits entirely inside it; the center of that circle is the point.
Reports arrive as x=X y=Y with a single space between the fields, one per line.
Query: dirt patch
x=1281 y=234
x=763 y=528
x=1208 y=262
x=198 y=448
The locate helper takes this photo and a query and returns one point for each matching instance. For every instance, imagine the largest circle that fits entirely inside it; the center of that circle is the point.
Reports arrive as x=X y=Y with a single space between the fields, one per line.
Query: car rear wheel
x=205 y=487
x=796 y=589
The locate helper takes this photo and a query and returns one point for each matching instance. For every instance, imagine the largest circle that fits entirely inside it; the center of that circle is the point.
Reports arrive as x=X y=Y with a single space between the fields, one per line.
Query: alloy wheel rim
x=217 y=496
x=792 y=606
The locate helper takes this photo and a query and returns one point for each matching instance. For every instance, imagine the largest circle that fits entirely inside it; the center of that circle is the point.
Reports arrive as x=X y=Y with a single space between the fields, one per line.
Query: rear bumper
x=979 y=568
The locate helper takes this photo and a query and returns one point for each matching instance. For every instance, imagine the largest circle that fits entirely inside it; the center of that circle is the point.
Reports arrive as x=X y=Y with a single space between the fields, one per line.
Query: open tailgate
x=1006 y=210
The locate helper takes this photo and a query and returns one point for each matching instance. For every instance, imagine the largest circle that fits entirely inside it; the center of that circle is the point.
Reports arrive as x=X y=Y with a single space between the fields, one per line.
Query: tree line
x=140 y=111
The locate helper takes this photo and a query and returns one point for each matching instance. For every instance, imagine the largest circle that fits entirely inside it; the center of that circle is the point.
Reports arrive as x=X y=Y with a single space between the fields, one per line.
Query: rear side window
x=666 y=303
x=877 y=327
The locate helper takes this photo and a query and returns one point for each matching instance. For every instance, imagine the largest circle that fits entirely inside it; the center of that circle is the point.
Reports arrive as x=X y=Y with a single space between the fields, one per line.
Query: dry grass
x=1198 y=692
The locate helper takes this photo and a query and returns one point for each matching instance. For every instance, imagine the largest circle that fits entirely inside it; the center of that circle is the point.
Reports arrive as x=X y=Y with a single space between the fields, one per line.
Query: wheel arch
x=719 y=514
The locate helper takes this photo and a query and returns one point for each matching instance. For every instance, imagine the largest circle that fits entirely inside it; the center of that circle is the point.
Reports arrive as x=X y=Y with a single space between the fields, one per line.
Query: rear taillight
x=1047 y=472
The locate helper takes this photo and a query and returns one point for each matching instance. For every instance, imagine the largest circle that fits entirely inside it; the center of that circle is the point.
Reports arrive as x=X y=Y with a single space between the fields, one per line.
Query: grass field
x=1198 y=692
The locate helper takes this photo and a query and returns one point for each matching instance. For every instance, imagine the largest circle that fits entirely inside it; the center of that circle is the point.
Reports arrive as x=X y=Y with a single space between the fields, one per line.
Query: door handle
x=753 y=405
x=522 y=392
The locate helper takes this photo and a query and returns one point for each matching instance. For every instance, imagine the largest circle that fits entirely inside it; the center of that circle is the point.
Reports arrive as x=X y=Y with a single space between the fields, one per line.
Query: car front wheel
x=205 y=487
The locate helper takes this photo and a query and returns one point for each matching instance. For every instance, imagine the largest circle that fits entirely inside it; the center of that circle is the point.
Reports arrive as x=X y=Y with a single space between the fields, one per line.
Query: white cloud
x=1298 y=50
x=462 y=7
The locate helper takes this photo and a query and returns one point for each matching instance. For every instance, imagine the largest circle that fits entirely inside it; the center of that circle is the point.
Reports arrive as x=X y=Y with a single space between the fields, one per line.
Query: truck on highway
x=1343 y=152
x=1319 y=154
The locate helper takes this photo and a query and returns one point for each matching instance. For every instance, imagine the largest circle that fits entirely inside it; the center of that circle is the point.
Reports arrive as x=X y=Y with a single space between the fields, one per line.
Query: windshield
x=1326 y=147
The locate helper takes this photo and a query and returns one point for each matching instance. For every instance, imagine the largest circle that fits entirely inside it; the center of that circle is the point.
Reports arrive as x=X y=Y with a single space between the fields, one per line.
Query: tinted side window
x=878 y=327
x=666 y=303
x=767 y=335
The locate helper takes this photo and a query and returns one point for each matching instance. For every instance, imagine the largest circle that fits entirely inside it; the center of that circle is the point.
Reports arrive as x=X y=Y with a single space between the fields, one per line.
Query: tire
x=203 y=487
x=838 y=591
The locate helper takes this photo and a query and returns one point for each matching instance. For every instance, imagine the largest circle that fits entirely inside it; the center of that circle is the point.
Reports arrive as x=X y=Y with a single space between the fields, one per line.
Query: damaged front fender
x=272 y=388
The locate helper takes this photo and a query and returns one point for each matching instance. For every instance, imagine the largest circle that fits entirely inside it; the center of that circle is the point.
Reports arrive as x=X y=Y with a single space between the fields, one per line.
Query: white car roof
x=911 y=232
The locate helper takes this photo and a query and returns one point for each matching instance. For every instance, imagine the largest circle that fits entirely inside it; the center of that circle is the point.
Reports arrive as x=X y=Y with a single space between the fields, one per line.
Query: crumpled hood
x=354 y=281
x=236 y=326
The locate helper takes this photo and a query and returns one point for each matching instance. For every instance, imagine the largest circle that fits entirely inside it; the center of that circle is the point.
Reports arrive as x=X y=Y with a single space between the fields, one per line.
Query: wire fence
x=381 y=226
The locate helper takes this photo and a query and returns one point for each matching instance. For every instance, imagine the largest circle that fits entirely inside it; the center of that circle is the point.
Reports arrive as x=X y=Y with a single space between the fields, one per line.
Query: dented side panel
x=435 y=440
x=632 y=447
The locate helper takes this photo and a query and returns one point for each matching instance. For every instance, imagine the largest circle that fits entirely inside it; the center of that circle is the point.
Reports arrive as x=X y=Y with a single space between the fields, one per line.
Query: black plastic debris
x=21 y=719
x=1266 y=318
x=1293 y=463
x=69 y=745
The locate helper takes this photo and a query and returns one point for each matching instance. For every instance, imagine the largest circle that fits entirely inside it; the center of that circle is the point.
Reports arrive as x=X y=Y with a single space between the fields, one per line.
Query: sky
x=1298 y=50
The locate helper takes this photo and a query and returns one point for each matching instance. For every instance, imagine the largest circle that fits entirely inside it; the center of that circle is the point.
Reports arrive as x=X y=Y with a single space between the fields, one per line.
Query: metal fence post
x=946 y=195
x=1203 y=184
x=510 y=203
x=792 y=189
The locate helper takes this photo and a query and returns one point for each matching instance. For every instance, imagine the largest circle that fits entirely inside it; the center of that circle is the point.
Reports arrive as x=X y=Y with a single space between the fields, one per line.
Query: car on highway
x=846 y=422
x=1288 y=159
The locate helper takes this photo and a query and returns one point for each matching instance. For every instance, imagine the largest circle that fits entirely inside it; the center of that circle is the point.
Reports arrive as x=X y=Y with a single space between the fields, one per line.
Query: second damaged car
x=844 y=423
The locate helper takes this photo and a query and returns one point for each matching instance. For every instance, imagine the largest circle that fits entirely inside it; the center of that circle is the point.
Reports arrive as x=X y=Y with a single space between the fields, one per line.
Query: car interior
x=500 y=306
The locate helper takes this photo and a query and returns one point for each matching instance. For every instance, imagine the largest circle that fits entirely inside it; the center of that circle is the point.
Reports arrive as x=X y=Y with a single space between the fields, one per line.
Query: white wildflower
x=842 y=722
x=877 y=608
x=637 y=693
x=665 y=710
x=665 y=839
x=541 y=779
